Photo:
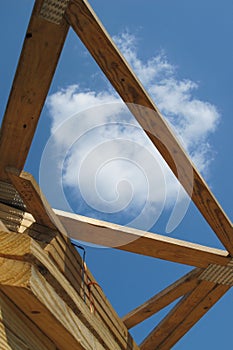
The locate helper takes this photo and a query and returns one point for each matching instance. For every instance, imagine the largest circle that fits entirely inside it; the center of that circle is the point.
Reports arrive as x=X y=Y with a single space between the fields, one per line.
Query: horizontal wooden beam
x=41 y=50
x=85 y=23
x=140 y=242
x=162 y=299
x=183 y=316
x=111 y=235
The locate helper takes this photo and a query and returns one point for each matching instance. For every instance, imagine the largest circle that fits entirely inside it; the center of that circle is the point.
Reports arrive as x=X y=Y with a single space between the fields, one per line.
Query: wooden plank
x=195 y=316
x=150 y=244
x=162 y=299
x=22 y=247
x=183 y=316
x=111 y=235
x=41 y=50
x=69 y=263
x=85 y=23
x=17 y=331
x=27 y=288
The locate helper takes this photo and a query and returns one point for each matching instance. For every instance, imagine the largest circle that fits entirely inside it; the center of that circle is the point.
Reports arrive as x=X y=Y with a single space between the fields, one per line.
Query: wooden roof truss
x=212 y=276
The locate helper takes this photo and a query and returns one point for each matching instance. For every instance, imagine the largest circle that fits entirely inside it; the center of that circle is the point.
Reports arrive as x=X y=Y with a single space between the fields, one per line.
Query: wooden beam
x=111 y=235
x=85 y=23
x=183 y=316
x=140 y=242
x=33 y=198
x=41 y=50
x=162 y=299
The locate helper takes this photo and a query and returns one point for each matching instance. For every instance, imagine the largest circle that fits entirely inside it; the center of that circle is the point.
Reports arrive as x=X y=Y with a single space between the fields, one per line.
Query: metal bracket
x=53 y=10
x=219 y=274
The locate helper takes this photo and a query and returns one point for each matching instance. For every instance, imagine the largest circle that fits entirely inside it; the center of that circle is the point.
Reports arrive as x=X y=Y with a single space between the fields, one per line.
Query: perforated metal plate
x=53 y=10
x=9 y=196
x=219 y=274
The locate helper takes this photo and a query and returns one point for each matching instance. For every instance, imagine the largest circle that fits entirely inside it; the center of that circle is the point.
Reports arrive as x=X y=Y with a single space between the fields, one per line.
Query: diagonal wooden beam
x=41 y=50
x=140 y=242
x=33 y=198
x=162 y=299
x=85 y=23
x=183 y=316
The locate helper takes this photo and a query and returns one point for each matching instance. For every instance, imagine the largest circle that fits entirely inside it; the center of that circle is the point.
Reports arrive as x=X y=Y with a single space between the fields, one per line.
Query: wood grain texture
x=183 y=316
x=41 y=50
x=85 y=23
x=70 y=264
x=38 y=300
x=162 y=299
x=17 y=331
x=22 y=247
x=150 y=244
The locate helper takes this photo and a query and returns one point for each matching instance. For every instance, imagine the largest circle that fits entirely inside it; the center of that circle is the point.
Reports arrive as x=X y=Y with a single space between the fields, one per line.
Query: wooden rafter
x=176 y=290
x=42 y=47
x=183 y=316
x=85 y=23
x=140 y=242
x=41 y=50
x=111 y=235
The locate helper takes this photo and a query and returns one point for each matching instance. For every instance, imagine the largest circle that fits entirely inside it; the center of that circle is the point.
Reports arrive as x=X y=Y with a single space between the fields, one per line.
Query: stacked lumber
x=48 y=289
x=45 y=278
x=19 y=332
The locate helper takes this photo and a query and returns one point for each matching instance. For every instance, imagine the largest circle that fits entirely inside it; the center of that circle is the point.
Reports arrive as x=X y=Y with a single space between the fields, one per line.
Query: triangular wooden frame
x=44 y=39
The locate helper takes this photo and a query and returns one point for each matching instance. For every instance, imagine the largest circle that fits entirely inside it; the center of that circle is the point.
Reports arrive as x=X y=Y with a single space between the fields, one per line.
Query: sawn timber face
x=30 y=273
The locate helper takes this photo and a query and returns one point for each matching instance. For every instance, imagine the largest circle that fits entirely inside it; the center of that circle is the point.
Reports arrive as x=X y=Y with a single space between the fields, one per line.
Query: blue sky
x=183 y=53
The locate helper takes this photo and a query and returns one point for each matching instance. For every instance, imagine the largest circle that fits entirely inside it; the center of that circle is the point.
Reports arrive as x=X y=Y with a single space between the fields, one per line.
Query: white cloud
x=69 y=101
x=192 y=119
x=108 y=153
